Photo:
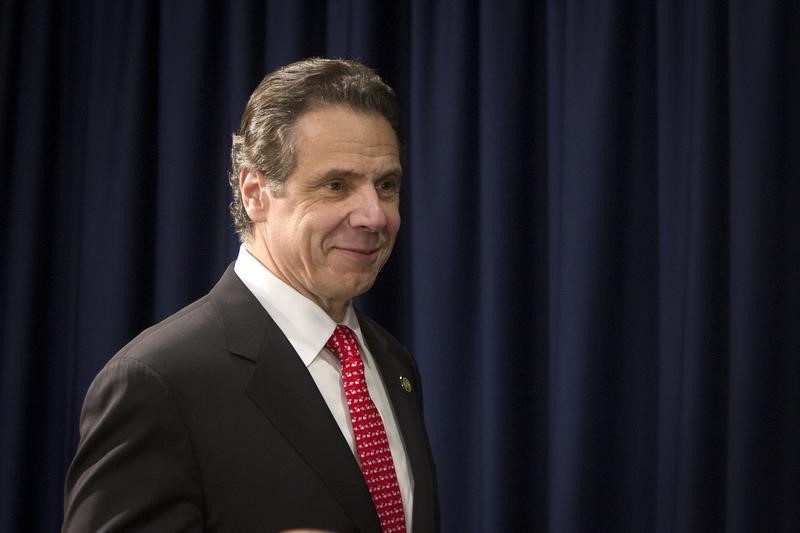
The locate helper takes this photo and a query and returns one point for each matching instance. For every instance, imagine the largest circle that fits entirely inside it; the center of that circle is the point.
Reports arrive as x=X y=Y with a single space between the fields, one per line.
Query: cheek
x=393 y=221
x=316 y=228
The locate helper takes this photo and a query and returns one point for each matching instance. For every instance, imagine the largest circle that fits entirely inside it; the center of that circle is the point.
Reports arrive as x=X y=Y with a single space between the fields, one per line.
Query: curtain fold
x=597 y=269
x=694 y=192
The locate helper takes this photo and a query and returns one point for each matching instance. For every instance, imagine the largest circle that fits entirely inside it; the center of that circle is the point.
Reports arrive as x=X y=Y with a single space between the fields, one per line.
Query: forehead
x=342 y=133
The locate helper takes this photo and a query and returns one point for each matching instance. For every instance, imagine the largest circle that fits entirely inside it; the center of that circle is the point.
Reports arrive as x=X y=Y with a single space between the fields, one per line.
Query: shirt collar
x=304 y=323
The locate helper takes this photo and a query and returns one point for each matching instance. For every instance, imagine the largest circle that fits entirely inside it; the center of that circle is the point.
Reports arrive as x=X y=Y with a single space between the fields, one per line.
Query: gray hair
x=265 y=140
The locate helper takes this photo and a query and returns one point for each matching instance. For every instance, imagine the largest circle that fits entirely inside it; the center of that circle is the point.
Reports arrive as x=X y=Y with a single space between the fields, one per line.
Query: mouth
x=358 y=254
x=365 y=252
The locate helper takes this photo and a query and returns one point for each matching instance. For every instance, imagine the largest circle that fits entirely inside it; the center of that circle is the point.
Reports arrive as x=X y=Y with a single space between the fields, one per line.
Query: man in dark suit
x=232 y=414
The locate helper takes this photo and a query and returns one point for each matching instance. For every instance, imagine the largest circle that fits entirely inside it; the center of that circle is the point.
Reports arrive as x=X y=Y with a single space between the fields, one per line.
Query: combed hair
x=265 y=140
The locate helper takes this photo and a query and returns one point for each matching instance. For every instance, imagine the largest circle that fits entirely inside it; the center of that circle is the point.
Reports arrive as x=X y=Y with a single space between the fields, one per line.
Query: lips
x=359 y=251
x=357 y=246
x=365 y=251
x=362 y=249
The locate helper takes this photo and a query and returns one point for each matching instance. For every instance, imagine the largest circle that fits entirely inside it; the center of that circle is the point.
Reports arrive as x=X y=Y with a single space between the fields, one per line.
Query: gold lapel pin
x=405 y=384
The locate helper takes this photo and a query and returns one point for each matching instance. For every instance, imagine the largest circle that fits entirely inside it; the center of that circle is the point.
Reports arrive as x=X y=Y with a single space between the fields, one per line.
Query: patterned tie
x=372 y=446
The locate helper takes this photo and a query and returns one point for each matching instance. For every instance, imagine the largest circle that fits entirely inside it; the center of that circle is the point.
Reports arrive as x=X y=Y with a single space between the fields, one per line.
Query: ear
x=255 y=196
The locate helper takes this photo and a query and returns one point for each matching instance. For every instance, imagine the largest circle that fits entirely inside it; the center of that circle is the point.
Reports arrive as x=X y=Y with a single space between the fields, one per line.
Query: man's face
x=333 y=226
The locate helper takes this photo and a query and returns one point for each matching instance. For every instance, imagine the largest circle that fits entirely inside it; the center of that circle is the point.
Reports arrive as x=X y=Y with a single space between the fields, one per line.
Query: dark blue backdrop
x=598 y=266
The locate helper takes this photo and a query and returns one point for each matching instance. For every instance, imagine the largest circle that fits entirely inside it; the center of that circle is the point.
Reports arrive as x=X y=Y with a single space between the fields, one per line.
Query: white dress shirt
x=308 y=328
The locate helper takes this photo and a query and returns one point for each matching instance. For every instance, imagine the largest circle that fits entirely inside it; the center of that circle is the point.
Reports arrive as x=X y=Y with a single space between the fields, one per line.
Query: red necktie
x=372 y=446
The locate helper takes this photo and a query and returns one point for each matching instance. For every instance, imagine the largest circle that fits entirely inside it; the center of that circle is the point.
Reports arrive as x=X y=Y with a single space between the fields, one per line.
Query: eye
x=335 y=185
x=388 y=185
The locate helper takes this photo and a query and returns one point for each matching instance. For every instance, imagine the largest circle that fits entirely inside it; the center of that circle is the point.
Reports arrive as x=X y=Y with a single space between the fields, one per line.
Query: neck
x=334 y=308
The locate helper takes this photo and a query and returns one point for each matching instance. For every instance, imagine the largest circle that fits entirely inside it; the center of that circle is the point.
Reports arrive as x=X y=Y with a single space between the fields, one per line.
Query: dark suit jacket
x=209 y=421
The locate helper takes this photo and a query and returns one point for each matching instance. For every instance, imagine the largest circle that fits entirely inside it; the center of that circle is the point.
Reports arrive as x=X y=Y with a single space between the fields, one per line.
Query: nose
x=369 y=212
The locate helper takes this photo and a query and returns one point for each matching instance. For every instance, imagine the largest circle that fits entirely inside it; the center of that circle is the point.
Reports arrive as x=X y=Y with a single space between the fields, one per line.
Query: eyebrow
x=344 y=173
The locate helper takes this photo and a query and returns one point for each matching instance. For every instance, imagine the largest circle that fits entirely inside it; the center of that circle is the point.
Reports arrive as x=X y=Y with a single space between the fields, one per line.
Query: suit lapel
x=284 y=391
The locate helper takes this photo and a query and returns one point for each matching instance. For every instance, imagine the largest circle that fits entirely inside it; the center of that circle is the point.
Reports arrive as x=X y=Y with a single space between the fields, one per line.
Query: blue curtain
x=599 y=265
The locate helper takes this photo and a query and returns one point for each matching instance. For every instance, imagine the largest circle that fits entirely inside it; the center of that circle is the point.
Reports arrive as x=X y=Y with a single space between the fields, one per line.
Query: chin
x=352 y=290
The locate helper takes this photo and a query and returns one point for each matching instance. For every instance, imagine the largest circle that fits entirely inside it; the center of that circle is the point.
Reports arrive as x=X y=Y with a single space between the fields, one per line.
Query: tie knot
x=343 y=343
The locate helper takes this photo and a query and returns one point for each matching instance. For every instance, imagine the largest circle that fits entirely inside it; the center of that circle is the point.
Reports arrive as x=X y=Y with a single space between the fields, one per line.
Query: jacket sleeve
x=134 y=469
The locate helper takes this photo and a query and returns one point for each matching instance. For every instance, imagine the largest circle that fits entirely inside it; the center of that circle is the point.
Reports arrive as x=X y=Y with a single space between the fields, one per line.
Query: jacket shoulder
x=190 y=336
